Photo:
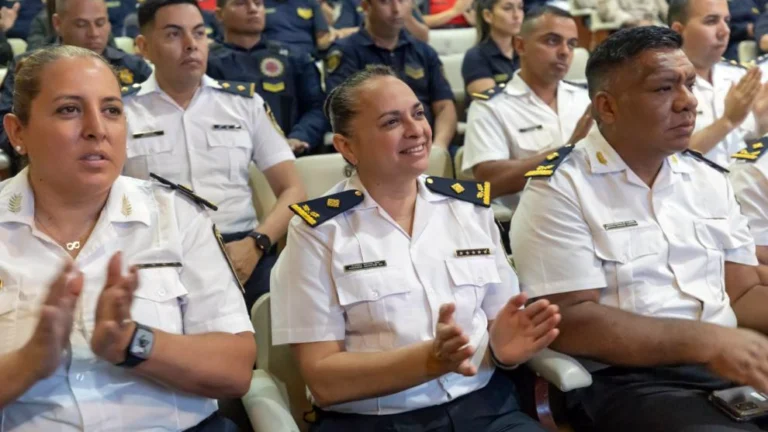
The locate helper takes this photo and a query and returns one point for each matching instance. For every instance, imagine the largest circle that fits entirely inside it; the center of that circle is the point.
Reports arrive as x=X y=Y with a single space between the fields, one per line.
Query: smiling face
x=76 y=131
x=391 y=137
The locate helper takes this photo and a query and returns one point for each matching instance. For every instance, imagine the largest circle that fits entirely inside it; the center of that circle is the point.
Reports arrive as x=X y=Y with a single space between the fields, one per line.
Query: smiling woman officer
x=84 y=345
x=401 y=281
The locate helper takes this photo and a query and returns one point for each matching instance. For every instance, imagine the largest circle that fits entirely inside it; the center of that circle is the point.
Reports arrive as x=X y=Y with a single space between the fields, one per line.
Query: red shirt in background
x=437 y=6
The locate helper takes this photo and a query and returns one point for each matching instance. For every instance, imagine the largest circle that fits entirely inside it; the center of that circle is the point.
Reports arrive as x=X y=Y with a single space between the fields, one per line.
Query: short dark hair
x=149 y=8
x=340 y=105
x=624 y=46
x=529 y=22
x=678 y=11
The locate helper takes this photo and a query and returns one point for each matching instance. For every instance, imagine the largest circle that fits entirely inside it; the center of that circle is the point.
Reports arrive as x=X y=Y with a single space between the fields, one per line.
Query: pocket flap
x=625 y=245
x=148 y=146
x=159 y=284
x=229 y=138
x=477 y=270
x=369 y=285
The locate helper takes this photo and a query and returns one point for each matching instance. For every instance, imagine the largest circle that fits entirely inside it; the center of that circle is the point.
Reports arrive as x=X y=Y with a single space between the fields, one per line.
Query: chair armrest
x=461 y=128
x=501 y=213
x=561 y=370
x=5 y=161
x=266 y=405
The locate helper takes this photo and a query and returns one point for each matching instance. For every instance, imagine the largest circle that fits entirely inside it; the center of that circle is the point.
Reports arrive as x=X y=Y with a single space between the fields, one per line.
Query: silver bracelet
x=498 y=363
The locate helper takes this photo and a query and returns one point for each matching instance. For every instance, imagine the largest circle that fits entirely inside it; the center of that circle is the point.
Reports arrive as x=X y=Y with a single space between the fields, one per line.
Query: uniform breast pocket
x=629 y=258
x=150 y=154
x=373 y=300
x=470 y=277
x=714 y=237
x=533 y=140
x=9 y=299
x=234 y=147
x=157 y=301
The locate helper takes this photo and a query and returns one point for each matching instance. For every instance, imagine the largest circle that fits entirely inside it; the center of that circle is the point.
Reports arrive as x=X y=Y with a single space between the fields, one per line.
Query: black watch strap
x=263 y=242
x=140 y=332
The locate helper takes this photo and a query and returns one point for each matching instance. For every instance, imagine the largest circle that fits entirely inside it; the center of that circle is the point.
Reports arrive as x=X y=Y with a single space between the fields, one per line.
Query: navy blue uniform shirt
x=289 y=84
x=294 y=24
x=27 y=12
x=485 y=60
x=743 y=13
x=415 y=62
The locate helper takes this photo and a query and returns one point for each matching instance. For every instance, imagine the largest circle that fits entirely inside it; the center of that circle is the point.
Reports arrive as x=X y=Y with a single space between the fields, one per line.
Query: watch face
x=141 y=345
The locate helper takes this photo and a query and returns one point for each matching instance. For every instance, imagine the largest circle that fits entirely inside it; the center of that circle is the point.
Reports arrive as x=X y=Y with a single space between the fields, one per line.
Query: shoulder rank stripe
x=550 y=163
x=189 y=193
x=245 y=89
x=697 y=155
x=755 y=149
x=469 y=191
x=490 y=93
x=316 y=211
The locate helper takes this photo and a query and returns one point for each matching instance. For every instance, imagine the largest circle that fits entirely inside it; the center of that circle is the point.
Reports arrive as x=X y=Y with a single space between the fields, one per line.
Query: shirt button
x=480 y=280
x=375 y=294
x=79 y=377
x=161 y=292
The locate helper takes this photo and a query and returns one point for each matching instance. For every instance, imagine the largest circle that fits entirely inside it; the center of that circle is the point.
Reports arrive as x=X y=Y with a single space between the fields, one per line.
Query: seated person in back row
x=384 y=41
x=289 y=84
x=511 y=128
x=642 y=244
x=345 y=17
x=299 y=25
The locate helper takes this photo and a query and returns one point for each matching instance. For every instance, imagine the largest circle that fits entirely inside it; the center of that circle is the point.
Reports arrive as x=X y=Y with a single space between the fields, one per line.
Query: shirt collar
x=490 y=47
x=603 y=158
x=151 y=85
x=518 y=87
x=424 y=193
x=129 y=201
x=365 y=38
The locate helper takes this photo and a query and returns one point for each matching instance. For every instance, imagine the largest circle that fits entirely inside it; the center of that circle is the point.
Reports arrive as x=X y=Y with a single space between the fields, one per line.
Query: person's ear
x=141 y=45
x=604 y=108
x=56 y=22
x=677 y=27
x=518 y=44
x=487 y=16
x=342 y=145
x=14 y=128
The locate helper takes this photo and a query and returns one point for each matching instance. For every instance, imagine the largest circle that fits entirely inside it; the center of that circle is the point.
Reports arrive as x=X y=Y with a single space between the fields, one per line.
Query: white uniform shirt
x=517 y=124
x=750 y=183
x=208 y=146
x=656 y=251
x=711 y=98
x=149 y=225
x=396 y=303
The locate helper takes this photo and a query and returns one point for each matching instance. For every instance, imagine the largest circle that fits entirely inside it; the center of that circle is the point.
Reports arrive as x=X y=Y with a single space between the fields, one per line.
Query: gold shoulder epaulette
x=490 y=93
x=470 y=191
x=245 y=89
x=754 y=150
x=130 y=90
x=700 y=157
x=732 y=63
x=316 y=211
x=189 y=193
x=549 y=165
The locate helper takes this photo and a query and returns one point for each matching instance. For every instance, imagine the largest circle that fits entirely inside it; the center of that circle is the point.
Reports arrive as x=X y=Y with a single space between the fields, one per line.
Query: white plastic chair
x=452 y=41
x=452 y=67
x=578 y=69
x=18 y=46
x=261 y=193
x=125 y=44
x=747 y=51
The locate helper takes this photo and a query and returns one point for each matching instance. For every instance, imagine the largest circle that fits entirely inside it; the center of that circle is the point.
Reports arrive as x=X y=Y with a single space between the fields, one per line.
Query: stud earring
x=18 y=149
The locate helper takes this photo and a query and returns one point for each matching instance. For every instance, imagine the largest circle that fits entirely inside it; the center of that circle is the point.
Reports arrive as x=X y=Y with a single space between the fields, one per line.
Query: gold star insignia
x=358 y=193
x=553 y=156
x=225 y=85
x=310 y=212
x=333 y=203
x=457 y=188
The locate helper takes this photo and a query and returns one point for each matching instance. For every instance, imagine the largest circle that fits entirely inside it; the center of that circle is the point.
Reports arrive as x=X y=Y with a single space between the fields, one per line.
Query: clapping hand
x=450 y=352
x=517 y=334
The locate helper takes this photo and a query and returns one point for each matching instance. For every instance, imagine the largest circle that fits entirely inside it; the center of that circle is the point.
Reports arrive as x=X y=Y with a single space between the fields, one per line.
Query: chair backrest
x=3 y=73
x=452 y=41
x=18 y=46
x=440 y=164
x=452 y=67
x=457 y=160
x=278 y=360
x=125 y=44
x=578 y=70
x=747 y=51
x=261 y=193
x=319 y=173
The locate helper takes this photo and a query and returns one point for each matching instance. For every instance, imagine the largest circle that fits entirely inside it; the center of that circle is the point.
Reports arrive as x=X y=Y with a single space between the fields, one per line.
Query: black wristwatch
x=263 y=242
x=140 y=347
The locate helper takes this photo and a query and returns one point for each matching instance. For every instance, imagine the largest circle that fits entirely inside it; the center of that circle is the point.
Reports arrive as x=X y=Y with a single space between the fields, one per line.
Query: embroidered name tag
x=365 y=266
x=619 y=225
x=531 y=129
x=148 y=134
x=472 y=252
x=227 y=127
x=158 y=265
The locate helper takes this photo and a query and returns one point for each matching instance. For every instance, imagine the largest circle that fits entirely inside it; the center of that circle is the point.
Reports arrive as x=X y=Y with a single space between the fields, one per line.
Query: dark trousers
x=258 y=283
x=215 y=423
x=493 y=408
x=661 y=399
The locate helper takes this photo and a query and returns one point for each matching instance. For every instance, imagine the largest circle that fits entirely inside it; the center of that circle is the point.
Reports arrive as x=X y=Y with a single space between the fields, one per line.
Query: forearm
x=507 y=176
x=16 y=377
x=275 y=225
x=327 y=12
x=440 y=19
x=349 y=376
x=418 y=30
x=763 y=42
x=617 y=337
x=324 y=40
x=709 y=137
x=750 y=308
x=445 y=125
x=214 y=365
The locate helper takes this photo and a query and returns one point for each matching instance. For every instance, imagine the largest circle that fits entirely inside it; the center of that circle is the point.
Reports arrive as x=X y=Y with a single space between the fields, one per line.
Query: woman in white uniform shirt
x=390 y=285
x=69 y=312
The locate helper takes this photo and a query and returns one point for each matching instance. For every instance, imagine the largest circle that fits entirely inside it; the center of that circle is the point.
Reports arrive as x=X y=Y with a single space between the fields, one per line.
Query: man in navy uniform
x=290 y=84
x=298 y=24
x=744 y=15
x=384 y=40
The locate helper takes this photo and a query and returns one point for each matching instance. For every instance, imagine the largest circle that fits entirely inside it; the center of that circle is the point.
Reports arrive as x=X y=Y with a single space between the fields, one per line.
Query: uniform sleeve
x=439 y=89
x=348 y=64
x=6 y=52
x=751 y=188
x=319 y=22
x=743 y=245
x=553 y=246
x=269 y=146
x=498 y=295
x=475 y=67
x=305 y=307
x=214 y=300
x=484 y=139
x=311 y=124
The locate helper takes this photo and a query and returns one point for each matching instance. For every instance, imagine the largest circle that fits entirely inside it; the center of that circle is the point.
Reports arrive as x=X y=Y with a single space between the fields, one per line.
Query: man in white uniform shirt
x=510 y=128
x=642 y=245
x=193 y=130
x=750 y=183
x=732 y=103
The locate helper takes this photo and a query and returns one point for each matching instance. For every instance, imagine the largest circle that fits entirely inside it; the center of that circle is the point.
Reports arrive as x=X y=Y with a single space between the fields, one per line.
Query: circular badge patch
x=271 y=67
